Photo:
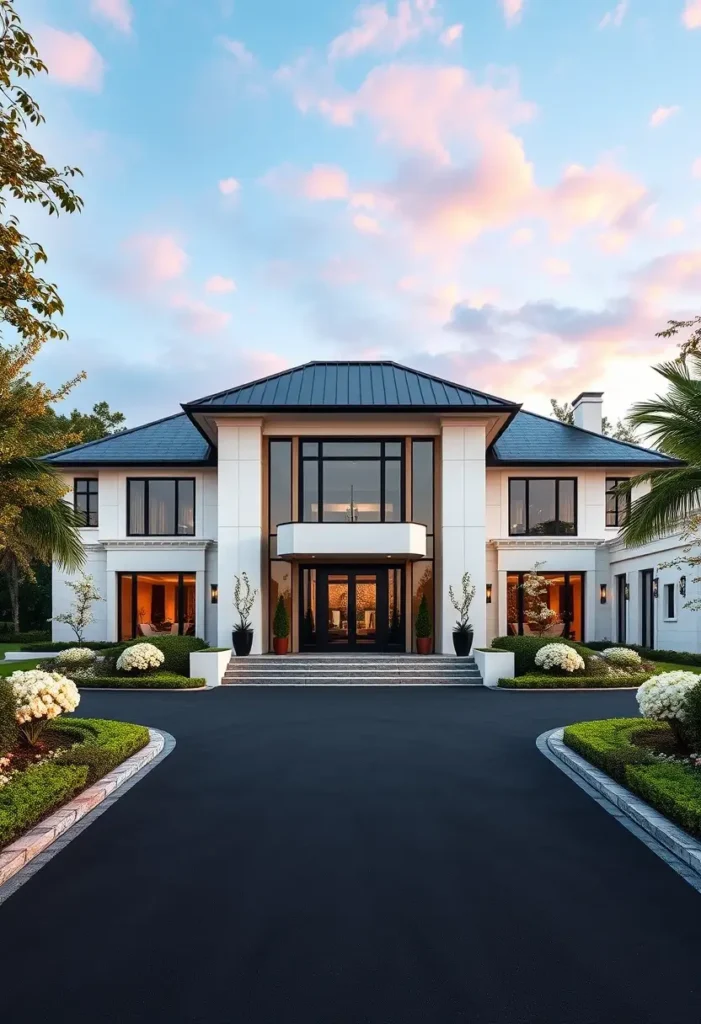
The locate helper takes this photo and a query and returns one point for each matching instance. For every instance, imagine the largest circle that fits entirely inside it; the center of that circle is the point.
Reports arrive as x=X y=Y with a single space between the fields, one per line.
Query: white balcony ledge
x=351 y=540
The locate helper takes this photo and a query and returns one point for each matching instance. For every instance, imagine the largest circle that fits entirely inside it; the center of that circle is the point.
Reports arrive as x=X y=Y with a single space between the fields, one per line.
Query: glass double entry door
x=352 y=608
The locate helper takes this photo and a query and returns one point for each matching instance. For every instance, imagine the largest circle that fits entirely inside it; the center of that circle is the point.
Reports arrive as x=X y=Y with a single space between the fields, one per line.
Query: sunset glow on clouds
x=421 y=180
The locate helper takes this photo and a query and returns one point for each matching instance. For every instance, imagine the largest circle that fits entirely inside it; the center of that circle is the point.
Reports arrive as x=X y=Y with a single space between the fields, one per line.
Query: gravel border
x=26 y=855
x=672 y=844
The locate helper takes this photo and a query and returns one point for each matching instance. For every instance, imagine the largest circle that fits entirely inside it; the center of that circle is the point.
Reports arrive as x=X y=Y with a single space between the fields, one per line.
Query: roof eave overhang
x=494 y=462
x=144 y=463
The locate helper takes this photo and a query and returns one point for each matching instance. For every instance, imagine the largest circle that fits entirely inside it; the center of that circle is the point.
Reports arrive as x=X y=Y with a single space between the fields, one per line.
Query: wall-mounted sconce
x=682 y=586
x=489 y=593
x=603 y=593
x=214 y=593
x=656 y=587
x=627 y=591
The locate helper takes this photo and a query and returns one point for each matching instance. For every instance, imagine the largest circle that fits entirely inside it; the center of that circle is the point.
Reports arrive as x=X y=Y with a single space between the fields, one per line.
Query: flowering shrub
x=41 y=696
x=559 y=656
x=140 y=658
x=663 y=697
x=622 y=656
x=75 y=657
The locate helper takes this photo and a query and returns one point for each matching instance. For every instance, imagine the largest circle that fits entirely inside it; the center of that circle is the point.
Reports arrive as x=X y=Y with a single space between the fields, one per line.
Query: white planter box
x=495 y=665
x=26 y=655
x=209 y=665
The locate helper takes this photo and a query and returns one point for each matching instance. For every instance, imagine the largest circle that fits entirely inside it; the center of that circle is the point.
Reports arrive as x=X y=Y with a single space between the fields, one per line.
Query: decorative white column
x=239 y=512
x=464 y=524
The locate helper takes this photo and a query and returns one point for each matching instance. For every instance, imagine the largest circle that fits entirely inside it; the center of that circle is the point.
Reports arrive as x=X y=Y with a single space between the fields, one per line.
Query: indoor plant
x=281 y=627
x=244 y=597
x=423 y=628
x=462 y=631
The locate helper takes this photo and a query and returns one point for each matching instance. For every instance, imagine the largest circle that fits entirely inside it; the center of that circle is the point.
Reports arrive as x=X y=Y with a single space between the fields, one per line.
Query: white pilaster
x=239 y=516
x=464 y=523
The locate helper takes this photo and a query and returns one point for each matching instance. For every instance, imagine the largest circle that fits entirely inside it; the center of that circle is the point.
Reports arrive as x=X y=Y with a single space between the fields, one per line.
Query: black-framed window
x=352 y=481
x=423 y=511
x=542 y=506
x=156 y=604
x=617 y=505
x=160 y=506
x=85 y=499
x=670 y=601
x=562 y=593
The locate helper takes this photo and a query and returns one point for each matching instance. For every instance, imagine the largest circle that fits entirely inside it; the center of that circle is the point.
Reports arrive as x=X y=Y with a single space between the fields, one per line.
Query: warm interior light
x=214 y=593
x=603 y=593
x=489 y=593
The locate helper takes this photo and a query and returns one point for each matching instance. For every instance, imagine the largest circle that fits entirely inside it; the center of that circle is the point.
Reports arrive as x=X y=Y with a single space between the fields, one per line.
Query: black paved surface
x=349 y=856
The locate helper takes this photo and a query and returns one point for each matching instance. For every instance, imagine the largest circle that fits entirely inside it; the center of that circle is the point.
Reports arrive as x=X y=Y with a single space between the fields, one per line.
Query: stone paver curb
x=62 y=823
x=675 y=846
x=563 y=689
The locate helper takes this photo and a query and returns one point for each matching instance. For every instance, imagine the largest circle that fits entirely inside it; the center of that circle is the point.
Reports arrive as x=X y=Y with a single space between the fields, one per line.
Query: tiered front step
x=345 y=669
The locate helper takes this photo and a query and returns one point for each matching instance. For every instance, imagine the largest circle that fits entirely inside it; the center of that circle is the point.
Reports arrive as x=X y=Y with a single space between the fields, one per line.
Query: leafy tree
x=692 y=343
x=673 y=423
x=34 y=520
x=623 y=431
x=90 y=426
x=80 y=616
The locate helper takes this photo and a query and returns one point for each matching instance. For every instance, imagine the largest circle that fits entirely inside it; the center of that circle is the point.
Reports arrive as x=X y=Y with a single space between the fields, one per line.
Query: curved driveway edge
x=676 y=848
x=26 y=855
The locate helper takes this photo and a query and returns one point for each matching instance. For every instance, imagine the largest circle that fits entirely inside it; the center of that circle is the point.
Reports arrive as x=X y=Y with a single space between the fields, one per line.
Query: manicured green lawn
x=8 y=667
x=8 y=647
x=669 y=666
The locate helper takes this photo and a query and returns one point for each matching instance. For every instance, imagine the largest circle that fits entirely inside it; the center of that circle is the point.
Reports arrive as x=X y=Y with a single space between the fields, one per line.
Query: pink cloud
x=691 y=16
x=676 y=273
x=557 y=267
x=220 y=285
x=614 y=18
x=366 y=225
x=451 y=35
x=197 y=317
x=322 y=182
x=263 y=364
x=229 y=186
x=523 y=236
x=243 y=56
x=119 y=12
x=513 y=9
x=602 y=194
x=155 y=259
x=71 y=58
x=661 y=115
x=378 y=30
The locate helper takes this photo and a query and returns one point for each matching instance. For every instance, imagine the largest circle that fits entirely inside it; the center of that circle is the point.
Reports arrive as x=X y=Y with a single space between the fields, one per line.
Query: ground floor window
x=156 y=604
x=563 y=593
x=280 y=586
x=422 y=585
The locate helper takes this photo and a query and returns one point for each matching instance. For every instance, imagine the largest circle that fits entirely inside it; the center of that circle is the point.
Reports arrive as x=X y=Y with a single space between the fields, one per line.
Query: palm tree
x=672 y=422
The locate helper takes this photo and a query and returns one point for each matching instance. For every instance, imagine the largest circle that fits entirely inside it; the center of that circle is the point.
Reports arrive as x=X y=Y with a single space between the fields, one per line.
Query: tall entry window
x=156 y=604
x=542 y=506
x=563 y=593
x=422 y=511
x=352 y=481
x=280 y=511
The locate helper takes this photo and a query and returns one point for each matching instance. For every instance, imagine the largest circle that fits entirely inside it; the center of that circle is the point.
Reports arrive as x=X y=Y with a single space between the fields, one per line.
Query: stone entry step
x=345 y=669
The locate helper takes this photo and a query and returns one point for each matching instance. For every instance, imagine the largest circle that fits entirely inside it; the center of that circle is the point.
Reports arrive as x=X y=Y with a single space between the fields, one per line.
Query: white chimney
x=587 y=410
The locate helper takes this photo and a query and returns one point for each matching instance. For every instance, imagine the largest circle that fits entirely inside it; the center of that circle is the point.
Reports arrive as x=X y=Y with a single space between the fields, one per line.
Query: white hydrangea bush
x=140 y=658
x=559 y=656
x=39 y=697
x=75 y=657
x=622 y=656
x=663 y=697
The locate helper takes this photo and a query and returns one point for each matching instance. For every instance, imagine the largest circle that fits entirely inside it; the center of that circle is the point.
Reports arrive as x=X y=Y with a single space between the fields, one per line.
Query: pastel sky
x=506 y=193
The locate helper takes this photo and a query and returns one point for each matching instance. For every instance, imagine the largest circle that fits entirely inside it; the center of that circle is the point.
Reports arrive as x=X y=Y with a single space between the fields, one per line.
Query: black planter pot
x=242 y=640
x=462 y=642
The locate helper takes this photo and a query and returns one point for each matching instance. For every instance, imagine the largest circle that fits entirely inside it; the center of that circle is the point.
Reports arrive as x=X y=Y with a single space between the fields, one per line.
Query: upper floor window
x=161 y=507
x=542 y=506
x=352 y=481
x=85 y=498
x=617 y=505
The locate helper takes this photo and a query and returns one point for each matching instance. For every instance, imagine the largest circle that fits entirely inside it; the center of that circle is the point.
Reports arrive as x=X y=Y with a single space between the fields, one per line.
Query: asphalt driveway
x=354 y=856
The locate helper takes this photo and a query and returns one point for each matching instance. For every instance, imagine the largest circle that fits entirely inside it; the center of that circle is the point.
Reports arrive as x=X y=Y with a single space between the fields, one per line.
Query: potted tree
x=244 y=598
x=462 y=631
x=423 y=628
x=281 y=627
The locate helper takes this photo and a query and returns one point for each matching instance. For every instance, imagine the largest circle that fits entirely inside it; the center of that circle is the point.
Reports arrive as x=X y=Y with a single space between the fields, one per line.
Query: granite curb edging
x=563 y=689
x=19 y=854
x=675 y=846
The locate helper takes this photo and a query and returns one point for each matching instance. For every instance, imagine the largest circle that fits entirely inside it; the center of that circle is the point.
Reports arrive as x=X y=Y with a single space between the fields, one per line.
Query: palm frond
x=673 y=495
x=52 y=532
x=25 y=468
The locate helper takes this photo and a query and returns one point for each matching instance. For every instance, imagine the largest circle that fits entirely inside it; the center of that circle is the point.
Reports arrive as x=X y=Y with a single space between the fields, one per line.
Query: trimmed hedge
x=650 y=653
x=175 y=648
x=608 y=743
x=33 y=636
x=692 y=725
x=128 y=681
x=575 y=682
x=35 y=793
x=100 y=744
x=8 y=723
x=674 y=789
x=525 y=649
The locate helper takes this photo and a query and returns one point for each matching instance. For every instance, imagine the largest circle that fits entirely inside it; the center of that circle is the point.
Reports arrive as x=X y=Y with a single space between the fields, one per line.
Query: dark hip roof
x=350 y=386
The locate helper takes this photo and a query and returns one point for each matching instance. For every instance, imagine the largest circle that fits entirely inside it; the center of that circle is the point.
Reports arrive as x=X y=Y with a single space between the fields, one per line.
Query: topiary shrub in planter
x=423 y=627
x=281 y=627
